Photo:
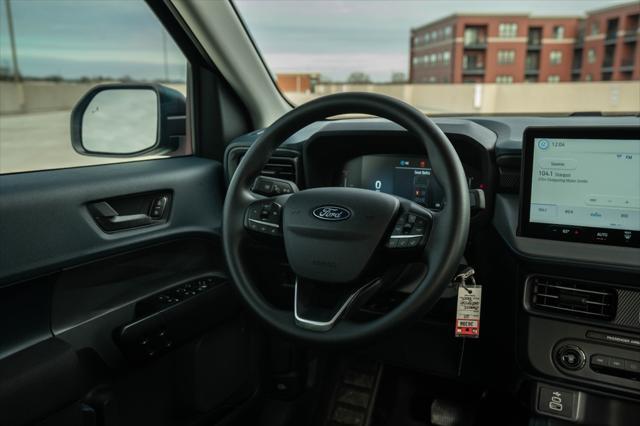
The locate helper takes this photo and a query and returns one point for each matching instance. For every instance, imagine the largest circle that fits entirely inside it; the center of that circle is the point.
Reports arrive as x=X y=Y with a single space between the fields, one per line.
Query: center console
x=578 y=231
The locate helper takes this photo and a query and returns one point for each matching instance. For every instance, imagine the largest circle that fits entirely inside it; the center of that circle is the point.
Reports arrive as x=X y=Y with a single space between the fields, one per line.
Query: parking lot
x=38 y=141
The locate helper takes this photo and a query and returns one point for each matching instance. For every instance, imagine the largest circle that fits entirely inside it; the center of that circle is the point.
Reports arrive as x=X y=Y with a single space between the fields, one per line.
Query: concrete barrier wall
x=41 y=96
x=619 y=96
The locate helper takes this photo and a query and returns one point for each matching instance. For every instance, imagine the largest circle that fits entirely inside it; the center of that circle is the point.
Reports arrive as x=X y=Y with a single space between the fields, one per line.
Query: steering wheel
x=339 y=241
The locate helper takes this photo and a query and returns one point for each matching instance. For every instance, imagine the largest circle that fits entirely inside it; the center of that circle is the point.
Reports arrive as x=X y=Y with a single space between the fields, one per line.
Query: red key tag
x=468 y=310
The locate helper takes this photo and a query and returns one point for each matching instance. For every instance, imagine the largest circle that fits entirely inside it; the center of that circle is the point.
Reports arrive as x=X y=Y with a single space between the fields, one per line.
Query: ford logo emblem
x=333 y=213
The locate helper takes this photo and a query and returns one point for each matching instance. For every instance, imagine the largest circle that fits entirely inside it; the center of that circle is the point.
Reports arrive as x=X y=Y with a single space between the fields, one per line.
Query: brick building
x=608 y=46
x=521 y=48
x=297 y=82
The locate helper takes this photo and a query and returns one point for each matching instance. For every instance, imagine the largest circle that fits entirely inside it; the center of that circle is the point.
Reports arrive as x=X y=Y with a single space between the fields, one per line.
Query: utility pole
x=12 y=38
x=17 y=78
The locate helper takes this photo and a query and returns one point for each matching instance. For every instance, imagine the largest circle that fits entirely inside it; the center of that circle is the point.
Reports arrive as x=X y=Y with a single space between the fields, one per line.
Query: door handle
x=109 y=219
x=130 y=220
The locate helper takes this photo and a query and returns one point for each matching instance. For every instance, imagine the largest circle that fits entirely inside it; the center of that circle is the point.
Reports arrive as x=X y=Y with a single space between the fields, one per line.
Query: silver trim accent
x=405 y=236
x=273 y=225
x=324 y=325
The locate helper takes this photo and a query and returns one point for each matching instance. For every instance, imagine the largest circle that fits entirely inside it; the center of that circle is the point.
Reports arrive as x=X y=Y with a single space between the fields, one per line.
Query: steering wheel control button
x=558 y=402
x=282 y=188
x=409 y=231
x=264 y=217
x=271 y=186
x=263 y=186
x=571 y=357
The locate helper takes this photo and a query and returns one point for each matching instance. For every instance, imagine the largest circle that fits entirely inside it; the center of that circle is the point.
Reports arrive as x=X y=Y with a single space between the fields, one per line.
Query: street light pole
x=12 y=38
x=17 y=78
x=165 y=56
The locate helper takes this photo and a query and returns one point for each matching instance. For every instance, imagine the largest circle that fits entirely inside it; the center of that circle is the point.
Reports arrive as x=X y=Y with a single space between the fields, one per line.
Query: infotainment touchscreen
x=582 y=186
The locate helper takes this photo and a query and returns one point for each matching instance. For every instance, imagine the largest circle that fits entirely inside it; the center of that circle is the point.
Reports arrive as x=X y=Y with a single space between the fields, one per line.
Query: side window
x=52 y=53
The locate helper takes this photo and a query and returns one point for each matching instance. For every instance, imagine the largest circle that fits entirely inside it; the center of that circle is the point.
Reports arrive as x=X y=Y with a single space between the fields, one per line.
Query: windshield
x=456 y=57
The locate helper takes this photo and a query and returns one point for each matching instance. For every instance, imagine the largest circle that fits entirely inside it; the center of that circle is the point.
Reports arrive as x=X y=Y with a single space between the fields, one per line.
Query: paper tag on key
x=468 y=310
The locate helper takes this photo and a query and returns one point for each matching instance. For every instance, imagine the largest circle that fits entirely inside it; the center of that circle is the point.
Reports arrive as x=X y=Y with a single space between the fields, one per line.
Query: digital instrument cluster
x=406 y=176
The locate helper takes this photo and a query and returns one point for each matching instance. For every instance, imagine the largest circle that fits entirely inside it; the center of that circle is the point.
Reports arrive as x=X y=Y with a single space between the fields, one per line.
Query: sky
x=88 y=38
x=336 y=38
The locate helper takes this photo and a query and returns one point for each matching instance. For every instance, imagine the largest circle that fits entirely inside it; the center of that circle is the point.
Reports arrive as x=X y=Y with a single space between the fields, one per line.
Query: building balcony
x=627 y=65
x=475 y=45
x=531 y=71
x=576 y=69
x=473 y=70
x=630 y=36
x=534 y=45
x=611 y=38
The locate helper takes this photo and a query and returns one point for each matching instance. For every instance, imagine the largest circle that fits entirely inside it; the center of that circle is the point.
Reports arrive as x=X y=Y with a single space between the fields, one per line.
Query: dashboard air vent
x=281 y=168
x=573 y=297
x=509 y=173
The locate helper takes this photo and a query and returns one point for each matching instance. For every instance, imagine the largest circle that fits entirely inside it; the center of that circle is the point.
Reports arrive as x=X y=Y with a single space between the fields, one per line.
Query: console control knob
x=571 y=357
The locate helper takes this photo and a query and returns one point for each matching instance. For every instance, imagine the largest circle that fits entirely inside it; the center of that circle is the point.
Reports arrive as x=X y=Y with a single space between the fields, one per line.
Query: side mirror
x=128 y=120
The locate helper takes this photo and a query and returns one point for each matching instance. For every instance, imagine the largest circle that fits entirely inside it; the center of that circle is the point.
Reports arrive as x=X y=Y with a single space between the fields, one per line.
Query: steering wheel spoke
x=320 y=306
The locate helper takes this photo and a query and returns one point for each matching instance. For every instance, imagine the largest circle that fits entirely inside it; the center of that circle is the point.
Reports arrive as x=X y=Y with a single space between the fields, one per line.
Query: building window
x=434 y=35
x=506 y=56
x=555 y=57
x=558 y=32
x=447 y=31
x=432 y=79
x=509 y=30
x=504 y=79
x=591 y=56
x=594 y=28
x=416 y=41
x=553 y=79
x=439 y=57
x=425 y=59
x=426 y=38
x=418 y=60
x=446 y=57
x=433 y=58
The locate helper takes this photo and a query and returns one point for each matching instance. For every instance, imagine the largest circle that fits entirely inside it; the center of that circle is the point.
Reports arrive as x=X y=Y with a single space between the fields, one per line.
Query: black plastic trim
x=45 y=225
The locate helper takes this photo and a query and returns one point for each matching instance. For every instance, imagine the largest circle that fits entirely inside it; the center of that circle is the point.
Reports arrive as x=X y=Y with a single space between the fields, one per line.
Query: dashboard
x=555 y=239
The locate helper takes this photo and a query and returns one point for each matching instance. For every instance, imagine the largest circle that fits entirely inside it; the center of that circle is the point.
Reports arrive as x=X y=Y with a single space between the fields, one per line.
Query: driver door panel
x=69 y=291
